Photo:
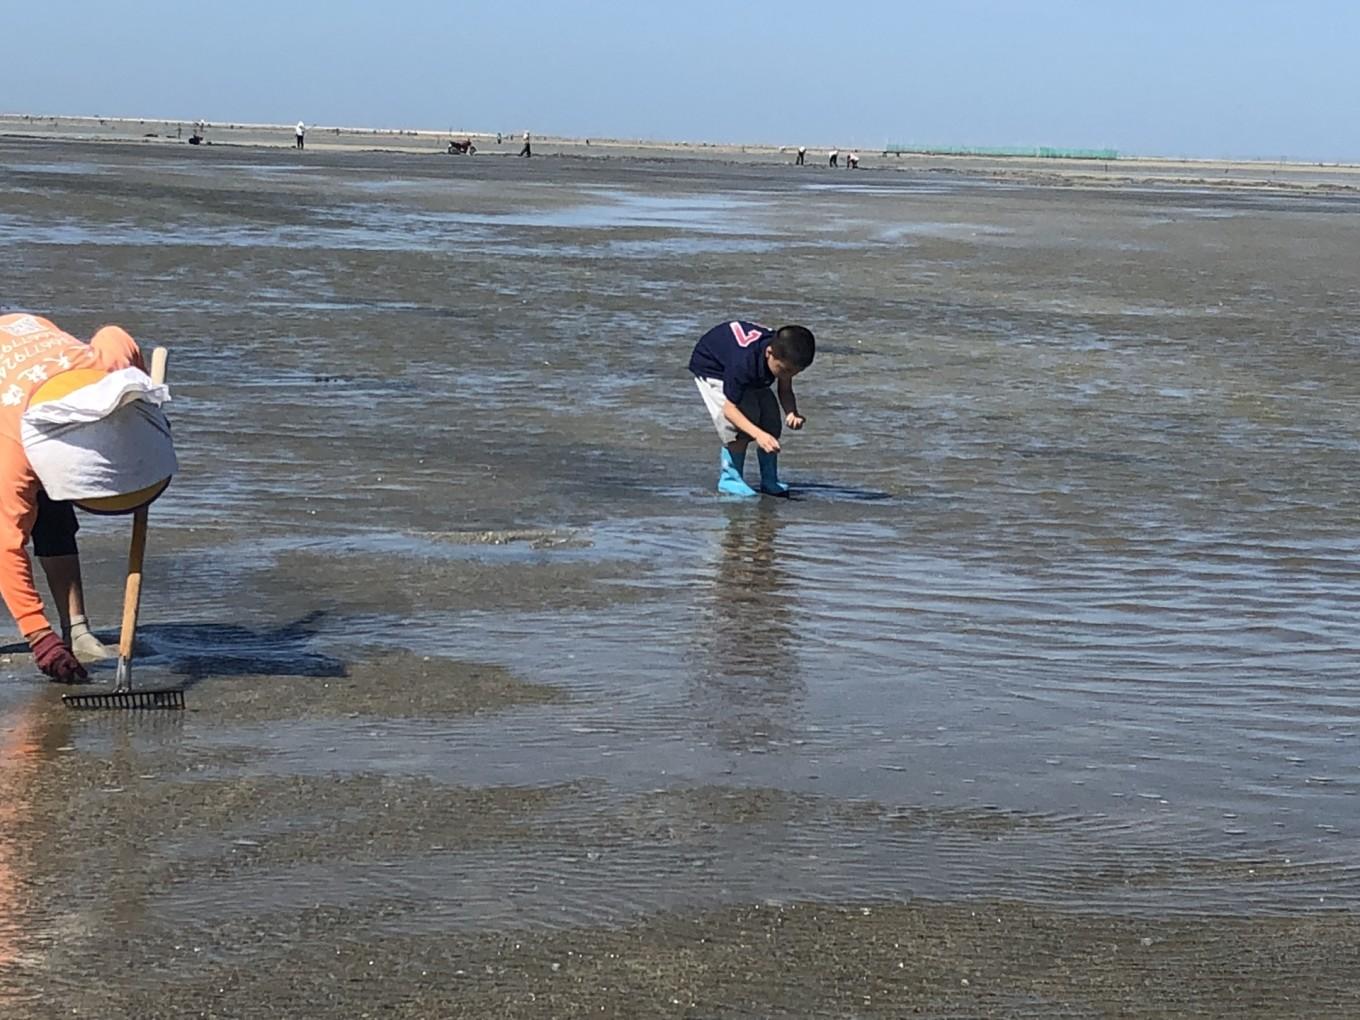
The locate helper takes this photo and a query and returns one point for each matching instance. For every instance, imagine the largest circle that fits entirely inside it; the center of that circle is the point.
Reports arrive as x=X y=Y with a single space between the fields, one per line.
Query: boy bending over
x=734 y=365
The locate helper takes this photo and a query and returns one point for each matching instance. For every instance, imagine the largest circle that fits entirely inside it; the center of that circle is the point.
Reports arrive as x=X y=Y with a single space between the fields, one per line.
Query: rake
x=123 y=695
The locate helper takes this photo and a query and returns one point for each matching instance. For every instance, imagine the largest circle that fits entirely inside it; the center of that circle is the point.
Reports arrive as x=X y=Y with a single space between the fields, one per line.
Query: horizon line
x=888 y=147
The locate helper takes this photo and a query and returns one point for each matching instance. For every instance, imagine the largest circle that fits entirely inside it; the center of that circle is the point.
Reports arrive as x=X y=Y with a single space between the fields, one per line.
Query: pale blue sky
x=1156 y=77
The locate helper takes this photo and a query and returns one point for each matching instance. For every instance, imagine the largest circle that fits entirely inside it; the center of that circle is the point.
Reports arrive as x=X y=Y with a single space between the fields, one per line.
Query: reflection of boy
x=734 y=365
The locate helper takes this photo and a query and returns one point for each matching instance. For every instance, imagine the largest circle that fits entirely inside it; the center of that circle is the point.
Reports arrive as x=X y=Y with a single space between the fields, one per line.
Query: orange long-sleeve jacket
x=32 y=350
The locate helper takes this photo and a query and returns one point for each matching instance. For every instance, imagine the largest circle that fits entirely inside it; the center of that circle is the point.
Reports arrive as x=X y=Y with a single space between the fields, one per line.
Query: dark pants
x=833 y=161
x=526 y=151
x=299 y=140
x=54 y=531
x=799 y=160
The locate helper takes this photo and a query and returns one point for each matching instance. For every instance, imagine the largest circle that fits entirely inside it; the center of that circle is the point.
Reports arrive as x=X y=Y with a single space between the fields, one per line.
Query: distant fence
x=1039 y=152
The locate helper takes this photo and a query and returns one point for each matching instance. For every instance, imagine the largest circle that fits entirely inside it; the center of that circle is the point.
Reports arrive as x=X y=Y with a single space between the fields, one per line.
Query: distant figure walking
x=835 y=158
x=527 y=150
x=299 y=132
x=852 y=160
x=802 y=155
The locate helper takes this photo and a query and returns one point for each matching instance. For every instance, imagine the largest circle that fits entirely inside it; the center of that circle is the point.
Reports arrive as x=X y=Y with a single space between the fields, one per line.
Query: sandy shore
x=1133 y=170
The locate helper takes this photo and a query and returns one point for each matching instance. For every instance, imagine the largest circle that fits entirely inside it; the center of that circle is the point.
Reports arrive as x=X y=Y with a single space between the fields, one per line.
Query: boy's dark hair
x=794 y=345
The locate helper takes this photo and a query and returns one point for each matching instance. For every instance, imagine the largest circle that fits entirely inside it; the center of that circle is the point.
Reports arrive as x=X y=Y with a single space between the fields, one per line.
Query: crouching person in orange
x=79 y=424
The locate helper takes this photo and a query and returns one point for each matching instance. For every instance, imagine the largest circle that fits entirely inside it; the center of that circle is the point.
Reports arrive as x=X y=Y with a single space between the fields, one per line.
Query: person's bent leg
x=732 y=467
x=732 y=456
x=771 y=419
x=68 y=594
x=63 y=578
x=54 y=545
x=736 y=449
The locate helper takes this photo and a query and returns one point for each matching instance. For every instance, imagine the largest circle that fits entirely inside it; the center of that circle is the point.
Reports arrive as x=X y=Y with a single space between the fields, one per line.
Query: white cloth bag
x=109 y=438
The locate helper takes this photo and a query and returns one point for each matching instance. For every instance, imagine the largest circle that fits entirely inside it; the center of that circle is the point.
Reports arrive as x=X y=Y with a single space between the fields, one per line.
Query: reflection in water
x=750 y=679
x=31 y=733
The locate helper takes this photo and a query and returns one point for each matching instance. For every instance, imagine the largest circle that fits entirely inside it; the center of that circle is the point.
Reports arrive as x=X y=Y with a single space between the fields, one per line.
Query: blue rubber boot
x=730 y=481
x=769 y=474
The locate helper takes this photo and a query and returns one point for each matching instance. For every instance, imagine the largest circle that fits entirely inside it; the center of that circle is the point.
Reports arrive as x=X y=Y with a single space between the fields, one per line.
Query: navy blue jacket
x=735 y=353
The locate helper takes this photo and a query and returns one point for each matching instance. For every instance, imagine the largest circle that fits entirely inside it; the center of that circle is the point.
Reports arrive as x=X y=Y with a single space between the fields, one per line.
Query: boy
x=734 y=365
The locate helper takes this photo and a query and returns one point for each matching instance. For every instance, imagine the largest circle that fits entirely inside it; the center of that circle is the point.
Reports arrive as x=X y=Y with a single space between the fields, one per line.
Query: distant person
x=802 y=155
x=299 y=133
x=852 y=160
x=527 y=150
x=835 y=158
x=734 y=364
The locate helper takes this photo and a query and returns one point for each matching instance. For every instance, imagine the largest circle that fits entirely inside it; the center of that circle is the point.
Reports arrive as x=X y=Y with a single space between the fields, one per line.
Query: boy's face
x=779 y=369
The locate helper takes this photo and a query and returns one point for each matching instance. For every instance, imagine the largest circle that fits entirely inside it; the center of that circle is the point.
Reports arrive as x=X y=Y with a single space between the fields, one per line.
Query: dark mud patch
x=397 y=686
x=411 y=584
x=973 y=821
x=201 y=830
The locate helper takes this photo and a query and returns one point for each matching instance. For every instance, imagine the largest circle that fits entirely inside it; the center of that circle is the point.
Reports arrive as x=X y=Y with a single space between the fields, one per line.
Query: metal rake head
x=159 y=697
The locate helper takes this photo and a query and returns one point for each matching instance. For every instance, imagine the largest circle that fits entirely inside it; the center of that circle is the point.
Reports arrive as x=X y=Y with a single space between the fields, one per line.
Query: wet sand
x=116 y=874
x=1035 y=701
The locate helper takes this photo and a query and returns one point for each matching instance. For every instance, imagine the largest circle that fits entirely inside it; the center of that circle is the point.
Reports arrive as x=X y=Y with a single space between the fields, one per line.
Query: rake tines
x=164 y=697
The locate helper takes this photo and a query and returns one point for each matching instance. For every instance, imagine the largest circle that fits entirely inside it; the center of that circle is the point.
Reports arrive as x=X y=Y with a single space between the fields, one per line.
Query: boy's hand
x=767 y=442
x=794 y=420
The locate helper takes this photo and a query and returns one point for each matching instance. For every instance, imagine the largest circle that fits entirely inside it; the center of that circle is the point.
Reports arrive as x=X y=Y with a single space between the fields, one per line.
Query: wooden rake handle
x=132 y=594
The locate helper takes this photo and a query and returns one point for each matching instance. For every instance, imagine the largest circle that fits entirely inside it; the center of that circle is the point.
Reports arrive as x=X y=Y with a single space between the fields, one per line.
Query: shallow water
x=1062 y=610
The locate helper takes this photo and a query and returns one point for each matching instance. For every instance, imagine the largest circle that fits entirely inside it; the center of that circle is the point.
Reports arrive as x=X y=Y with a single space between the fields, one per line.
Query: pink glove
x=56 y=660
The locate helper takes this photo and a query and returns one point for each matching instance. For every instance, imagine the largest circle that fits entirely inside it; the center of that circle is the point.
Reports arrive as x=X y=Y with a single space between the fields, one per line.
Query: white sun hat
x=100 y=439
